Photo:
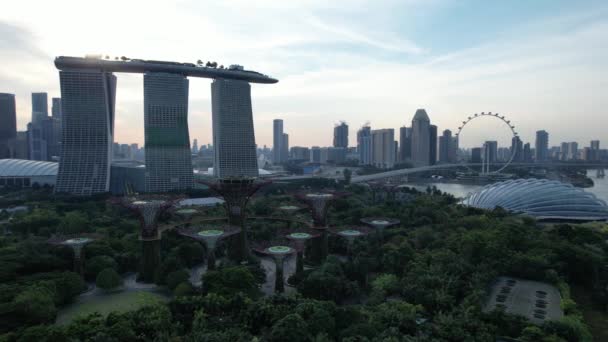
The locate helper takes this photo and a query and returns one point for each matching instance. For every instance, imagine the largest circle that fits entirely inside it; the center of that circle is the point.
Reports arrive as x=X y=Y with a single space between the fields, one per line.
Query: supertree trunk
x=150 y=260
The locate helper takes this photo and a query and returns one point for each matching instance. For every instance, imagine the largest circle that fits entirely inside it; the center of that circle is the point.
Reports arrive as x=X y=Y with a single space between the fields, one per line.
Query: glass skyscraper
x=168 y=155
x=233 y=135
x=88 y=101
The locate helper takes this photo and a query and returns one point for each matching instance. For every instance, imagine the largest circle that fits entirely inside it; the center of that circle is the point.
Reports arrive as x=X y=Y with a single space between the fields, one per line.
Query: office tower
x=405 y=144
x=517 y=146
x=233 y=135
x=490 y=151
x=364 y=145
x=88 y=98
x=432 y=144
x=195 y=146
x=421 y=132
x=541 y=152
x=37 y=149
x=527 y=153
x=336 y=154
x=572 y=150
x=476 y=155
x=453 y=151
x=18 y=147
x=594 y=151
x=8 y=123
x=167 y=141
x=341 y=135
x=51 y=133
x=56 y=108
x=564 y=151
x=285 y=147
x=383 y=148
x=40 y=107
x=315 y=154
x=277 y=139
x=300 y=153
x=445 y=145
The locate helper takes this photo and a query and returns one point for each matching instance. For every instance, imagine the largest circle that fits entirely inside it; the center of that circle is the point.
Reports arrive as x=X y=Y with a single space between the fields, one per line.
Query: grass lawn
x=104 y=304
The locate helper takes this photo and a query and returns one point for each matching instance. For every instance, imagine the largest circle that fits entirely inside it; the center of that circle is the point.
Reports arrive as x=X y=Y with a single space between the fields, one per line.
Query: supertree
x=380 y=223
x=186 y=214
x=148 y=209
x=319 y=203
x=382 y=191
x=278 y=252
x=289 y=211
x=236 y=192
x=299 y=237
x=209 y=237
x=350 y=234
x=76 y=243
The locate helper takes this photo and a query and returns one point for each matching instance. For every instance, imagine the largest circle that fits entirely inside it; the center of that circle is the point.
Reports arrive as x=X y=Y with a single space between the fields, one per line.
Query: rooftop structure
x=25 y=173
x=540 y=198
x=140 y=66
x=539 y=302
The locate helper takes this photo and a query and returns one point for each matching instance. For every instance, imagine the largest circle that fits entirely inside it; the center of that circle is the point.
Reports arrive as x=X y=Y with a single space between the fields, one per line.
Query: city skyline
x=534 y=63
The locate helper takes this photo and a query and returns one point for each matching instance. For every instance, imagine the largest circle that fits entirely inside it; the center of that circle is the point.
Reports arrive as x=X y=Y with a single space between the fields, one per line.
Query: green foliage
x=229 y=281
x=98 y=263
x=183 y=289
x=35 y=305
x=290 y=328
x=74 y=222
x=108 y=279
x=177 y=277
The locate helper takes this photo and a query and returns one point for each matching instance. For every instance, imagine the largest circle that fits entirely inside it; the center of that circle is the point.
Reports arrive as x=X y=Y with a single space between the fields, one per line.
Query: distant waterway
x=600 y=187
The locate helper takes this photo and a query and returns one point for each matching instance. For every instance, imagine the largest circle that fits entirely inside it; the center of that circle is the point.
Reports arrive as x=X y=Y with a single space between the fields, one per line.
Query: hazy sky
x=542 y=63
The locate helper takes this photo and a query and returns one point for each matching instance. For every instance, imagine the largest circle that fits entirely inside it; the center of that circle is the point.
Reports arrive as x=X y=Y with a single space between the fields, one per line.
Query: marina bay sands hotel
x=88 y=92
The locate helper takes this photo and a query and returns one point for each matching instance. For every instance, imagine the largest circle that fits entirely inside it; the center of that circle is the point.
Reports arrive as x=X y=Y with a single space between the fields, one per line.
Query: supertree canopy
x=236 y=192
x=278 y=251
x=350 y=234
x=148 y=208
x=210 y=237
x=380 y=223
x=299 y=236
x=76 y=243
x=319 y=204
x=382 y=191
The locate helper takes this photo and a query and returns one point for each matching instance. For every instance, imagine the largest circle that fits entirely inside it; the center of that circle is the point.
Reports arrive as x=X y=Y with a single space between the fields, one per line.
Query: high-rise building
x=315 y=154
x=445 y=146
x=453 y=151
x=40 y=107
x=421 y=132
x=285 y=147
x=476 y=155
x=299 y=153
x=168 y=155
x=56 y=108
x=277 y=139
x=564 y=151
x=405 y=144
x=432 y=144
x=195 y=146
x=341 y=135
x=364 y=145
x=383 y=148
x=541 y=146
x=527 y=153
x=572 y=150
x=37 y=149
x=517 y=147
x=594 y=151
x=233 y=134
x=8 y=123
x=88 y=100
x=490 y=151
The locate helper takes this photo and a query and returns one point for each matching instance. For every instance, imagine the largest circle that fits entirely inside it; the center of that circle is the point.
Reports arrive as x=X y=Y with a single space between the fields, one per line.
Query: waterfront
x=600 y=187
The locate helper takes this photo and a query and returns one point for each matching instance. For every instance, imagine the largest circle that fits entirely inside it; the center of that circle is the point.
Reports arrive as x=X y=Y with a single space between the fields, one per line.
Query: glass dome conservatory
x=541 y=198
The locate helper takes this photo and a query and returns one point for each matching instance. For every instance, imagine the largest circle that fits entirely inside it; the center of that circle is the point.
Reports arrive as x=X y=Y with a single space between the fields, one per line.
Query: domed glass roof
x=27 y=168
x=541 y=198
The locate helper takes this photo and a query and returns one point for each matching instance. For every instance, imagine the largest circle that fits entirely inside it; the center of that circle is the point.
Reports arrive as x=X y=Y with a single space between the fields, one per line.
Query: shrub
x=108 y=279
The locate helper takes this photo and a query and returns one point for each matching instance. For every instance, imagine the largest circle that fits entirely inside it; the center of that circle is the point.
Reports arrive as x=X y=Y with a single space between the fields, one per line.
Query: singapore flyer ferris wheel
x=485 y=160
